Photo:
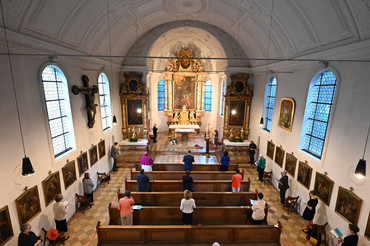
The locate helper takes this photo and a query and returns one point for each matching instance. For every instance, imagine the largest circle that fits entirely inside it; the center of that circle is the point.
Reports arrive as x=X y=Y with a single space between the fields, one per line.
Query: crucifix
x=89 y=98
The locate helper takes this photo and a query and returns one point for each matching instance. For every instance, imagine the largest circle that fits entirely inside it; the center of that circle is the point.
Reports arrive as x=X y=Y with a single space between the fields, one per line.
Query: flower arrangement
x=237 y=139
x=134 y=139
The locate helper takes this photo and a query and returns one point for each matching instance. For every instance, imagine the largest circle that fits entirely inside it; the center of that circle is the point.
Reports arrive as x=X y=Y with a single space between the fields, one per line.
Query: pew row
x=180 y=167
x=171 y=215
x=201 y=198
x=265 y=235
x=198 y=185
x=177 y=175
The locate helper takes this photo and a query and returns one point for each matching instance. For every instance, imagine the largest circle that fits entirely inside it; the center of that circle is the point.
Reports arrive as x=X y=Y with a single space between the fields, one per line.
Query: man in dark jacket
x=283 y=185
x=143 y=182
x=187 y=182
x=188 y=161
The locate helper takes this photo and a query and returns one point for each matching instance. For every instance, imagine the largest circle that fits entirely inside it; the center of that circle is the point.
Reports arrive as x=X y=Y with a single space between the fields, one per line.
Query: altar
x=184 y=133
x=141 y=144
x=235 y=146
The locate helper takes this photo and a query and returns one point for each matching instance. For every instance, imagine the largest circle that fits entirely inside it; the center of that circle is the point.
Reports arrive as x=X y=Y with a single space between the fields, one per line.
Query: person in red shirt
x=126 y=211
x=235 y=181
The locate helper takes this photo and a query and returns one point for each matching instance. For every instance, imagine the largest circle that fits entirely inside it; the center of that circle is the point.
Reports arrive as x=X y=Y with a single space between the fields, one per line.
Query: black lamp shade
x=361 y=168
x=261 y=121
x=114 y=120
x=27 y=168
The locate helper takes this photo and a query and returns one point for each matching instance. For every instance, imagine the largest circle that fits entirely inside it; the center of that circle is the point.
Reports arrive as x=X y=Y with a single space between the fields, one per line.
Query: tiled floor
x=82 y=224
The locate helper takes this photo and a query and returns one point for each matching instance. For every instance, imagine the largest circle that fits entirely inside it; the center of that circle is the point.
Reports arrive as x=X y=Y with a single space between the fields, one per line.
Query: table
x=184 y=133
x=140 y=144
x=235 y=146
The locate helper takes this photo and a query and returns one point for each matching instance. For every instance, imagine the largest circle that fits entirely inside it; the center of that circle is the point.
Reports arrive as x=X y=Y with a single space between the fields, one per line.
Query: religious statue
x=184 y=117
x=231 y=134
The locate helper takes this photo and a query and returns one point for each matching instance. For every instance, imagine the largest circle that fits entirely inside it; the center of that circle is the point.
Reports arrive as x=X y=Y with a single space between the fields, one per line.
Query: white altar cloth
x=184 y=130
x=184 y=127
x=245 y=143
x=140 y=142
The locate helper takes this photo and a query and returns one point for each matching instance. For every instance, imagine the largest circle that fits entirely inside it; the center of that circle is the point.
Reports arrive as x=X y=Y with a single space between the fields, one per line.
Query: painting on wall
x=134 y=112
x=83 y=165
x=28 y=205
x=270 y=149
x=304 y=174
x=236 y=117
x=51 y=187
x=290 y=163
x=323 y=187
x=367 y=230
x=286 y=113
x=69 y=174
x=184 y=92
x=93 y=152
x=348 y=205
x=6 y=229
x=279 y=156
x=101 y=147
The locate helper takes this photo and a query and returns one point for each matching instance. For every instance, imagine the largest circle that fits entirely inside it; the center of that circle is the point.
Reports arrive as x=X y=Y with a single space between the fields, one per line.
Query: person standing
x=258 y=210
x=225 y=161
x=114 y=153
x=60 y=212
x=187 y=182
x=126 y=211
x=88 y=187
x=155 y=130
x=143 y=182
x=236 y=181
x=216 y=138
x=310 y=211
x=28 y=237
x=352 y=239
x=187 y=207
x=146 y=162
x=188 y=161
x=283 y=185
x=261 y=164
x=252 y=151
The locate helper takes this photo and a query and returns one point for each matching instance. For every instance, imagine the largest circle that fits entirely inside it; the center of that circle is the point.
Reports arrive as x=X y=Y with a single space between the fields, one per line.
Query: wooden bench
x=198 y=185
x=226 y=235
x=177 y=175
x=180 y=167
x=171 y=215
x=201 y=198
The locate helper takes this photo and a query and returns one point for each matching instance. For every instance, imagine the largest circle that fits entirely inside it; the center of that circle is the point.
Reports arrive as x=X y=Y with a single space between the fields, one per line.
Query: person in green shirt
x=261 y=164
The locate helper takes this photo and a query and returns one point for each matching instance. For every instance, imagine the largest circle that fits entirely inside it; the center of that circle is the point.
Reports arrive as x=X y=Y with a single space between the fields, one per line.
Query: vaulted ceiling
x=218 y=28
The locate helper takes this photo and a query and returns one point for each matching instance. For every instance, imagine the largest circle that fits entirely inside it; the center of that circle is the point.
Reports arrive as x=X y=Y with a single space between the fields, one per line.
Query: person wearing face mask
x=352 y=239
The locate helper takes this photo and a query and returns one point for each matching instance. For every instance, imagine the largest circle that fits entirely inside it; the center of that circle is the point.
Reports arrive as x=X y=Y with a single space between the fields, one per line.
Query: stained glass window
x=58 y=109
x=319 y=105
x=222 y=97
x=208 y=96
x=270 y=93
x=105 y=107
x=161 y=95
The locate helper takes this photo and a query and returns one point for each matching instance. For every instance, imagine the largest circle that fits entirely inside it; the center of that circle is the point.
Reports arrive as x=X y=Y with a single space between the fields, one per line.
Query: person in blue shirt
x=225 y=161
x=143 y=182
x=188 y=161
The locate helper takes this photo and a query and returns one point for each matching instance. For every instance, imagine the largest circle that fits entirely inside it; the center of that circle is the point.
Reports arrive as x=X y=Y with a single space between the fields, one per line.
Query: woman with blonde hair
x=187 y=207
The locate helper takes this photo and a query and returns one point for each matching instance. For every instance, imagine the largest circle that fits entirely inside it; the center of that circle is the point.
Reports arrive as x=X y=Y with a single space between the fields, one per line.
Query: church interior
x=79 y=75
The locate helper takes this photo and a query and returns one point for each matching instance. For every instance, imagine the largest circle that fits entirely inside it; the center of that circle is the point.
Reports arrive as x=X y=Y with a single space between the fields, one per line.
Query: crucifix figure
x=89 y=97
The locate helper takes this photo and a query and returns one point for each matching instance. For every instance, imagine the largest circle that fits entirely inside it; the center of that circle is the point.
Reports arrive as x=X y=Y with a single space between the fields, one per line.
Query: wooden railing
x=180 y=167
x=196 y=175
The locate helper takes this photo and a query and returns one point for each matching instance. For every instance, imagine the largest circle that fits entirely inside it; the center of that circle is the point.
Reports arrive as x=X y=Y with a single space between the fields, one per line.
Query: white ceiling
x=217 y=28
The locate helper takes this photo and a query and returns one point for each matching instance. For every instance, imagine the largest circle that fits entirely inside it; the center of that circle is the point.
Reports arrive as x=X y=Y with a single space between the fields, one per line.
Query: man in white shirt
x=258 y=210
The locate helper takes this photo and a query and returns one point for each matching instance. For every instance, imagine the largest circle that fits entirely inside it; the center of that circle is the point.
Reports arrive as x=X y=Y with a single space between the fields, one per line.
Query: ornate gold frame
x=19 y=208
x=354 y=197
x=289 y=121
x=330 y=188
x=69 y=163
x=301 y=163
x=9 y=225
x=44 y=188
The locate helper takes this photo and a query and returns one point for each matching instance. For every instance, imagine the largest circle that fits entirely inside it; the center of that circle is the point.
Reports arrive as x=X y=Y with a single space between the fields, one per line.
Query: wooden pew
x=201 y=198
x=177 y=175
x=198 y=185
x=180 y=167
x=171 y=215
x=226 y=235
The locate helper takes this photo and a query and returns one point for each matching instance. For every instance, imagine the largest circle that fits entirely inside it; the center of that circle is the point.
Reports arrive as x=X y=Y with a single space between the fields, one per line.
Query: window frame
x=108 y=107
x=223 y=88
x=209 y=85
x=164 y=95
x=265 y=104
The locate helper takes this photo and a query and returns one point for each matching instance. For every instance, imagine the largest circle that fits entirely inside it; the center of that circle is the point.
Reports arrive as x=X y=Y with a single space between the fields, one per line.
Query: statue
x=184 y=116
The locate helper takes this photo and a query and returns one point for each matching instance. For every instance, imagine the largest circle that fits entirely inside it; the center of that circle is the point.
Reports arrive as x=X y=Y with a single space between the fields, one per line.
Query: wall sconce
x=233 y=112
x=360 y=171
x=261 y=121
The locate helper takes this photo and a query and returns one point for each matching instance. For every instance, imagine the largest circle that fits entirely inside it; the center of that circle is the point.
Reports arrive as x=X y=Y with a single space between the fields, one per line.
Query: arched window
x=270 y=93
x=318 y=108
x=222 y=97
x=160 y=95
x=58 y=109
x=208 y=96
x=104 y=96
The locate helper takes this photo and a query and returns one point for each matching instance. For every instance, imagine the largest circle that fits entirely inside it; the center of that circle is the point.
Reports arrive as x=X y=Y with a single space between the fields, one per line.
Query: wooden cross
x=89 y=98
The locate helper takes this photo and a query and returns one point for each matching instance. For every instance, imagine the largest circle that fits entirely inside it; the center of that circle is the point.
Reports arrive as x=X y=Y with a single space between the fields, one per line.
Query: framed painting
x=184 y=92
x=279 y=156
x=323 y=187
x=367 y=230
x=286 y=113
x=6 y=229
x=93 y=152
x=348 y=205
x=51 y=187
x=236 y=117
x=134 y=112
x=290 y=163
x=270 y=149
x=304 y=174
x=69 y=174
x=82 y=163
x=101 y=147
x=28 y=205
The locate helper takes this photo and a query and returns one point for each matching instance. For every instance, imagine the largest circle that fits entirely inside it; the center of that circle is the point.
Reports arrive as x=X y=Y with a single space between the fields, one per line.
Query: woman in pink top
x=146 y=162
x=235 y=181
x=124 y=206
